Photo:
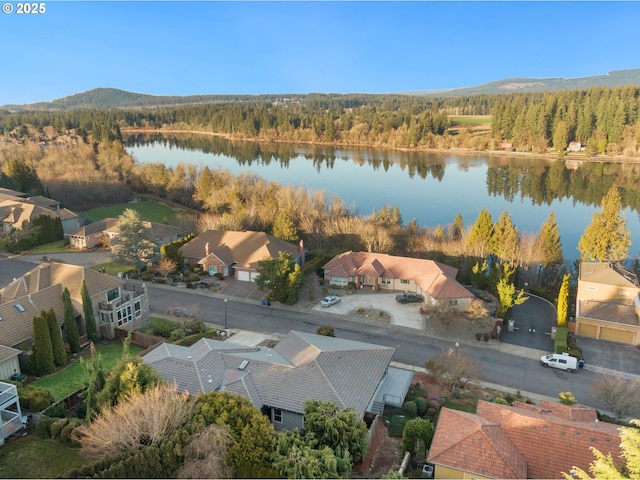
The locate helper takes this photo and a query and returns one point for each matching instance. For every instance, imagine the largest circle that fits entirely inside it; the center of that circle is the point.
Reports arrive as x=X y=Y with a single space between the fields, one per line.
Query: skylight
x=20 y=308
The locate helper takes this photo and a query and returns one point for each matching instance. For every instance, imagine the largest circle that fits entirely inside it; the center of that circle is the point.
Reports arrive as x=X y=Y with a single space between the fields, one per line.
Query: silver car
x=330 y=300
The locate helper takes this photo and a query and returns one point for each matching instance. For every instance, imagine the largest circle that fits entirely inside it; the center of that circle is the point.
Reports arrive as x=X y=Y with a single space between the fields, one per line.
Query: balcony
x=8 y=394
x=10 y=420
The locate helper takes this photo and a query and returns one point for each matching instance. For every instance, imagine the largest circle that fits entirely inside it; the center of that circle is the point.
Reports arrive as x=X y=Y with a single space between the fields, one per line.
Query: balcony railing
x=131 y=292
x=8 y=393
x=11 y=423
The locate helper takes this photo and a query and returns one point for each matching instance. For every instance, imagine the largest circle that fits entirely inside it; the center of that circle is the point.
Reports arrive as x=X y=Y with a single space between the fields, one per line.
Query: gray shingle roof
x=302 y=366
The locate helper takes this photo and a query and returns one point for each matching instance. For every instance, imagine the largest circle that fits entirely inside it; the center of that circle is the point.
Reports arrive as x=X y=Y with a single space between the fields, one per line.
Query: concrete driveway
x=401 y=315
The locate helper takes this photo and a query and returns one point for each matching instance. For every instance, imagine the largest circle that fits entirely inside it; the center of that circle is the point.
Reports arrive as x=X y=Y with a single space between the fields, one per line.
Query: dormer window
x=113 y=294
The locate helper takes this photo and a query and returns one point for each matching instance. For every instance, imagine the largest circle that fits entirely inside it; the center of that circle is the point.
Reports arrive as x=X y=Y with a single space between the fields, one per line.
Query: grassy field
x=148 y=210
x=113 y=268
x=471 y=119
x=32 y=457
x=72 y=378
x=53 y=247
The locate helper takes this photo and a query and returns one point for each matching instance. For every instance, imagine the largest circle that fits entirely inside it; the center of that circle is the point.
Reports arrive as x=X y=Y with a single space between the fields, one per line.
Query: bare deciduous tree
x=477 y=309
x=206 y=454
x=140 y=419
x=166 y=266
x=453 y=369
x=620 y=395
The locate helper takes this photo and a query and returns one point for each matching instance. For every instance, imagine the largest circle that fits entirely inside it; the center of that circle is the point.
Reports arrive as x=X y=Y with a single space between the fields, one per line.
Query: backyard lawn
x=148 y=210
x=73 y=377
x=32 y=457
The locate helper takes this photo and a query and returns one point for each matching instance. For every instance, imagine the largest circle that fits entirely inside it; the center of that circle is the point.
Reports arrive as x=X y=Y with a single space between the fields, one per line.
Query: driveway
x=401 y=315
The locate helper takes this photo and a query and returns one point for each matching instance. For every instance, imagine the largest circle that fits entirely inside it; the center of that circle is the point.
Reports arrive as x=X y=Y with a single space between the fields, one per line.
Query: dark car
x=409 y=298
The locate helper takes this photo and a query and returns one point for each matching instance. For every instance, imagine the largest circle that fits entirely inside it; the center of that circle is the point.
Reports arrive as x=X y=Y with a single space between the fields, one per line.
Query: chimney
x=206 y=249
x=301 y=252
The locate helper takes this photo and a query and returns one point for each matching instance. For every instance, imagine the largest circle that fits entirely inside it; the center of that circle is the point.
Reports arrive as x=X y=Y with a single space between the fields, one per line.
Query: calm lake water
x=432 y=188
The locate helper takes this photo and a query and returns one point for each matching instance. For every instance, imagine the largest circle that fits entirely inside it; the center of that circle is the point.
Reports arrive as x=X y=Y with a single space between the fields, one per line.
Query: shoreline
x=583 y=158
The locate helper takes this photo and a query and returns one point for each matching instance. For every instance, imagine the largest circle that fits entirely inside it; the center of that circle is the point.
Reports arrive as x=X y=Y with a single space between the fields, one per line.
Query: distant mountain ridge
x=113 y=98
x=615 y=78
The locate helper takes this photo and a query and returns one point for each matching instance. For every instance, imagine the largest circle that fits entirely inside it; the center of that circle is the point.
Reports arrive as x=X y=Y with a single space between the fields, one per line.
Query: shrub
x=66 y=437
x=351 y=286
x=43 y=427
x=415 y=391
x=162 y=327
x=191 y=339
x=431 y=412
x=326 y=330
x=177 y=334
x=195 y=325
x=567 y=398
x=410 y=409
x=501 y=401
x=57 y=410
x=57 y=426
x=194 y=278
x=422 y=405
x=35 y=399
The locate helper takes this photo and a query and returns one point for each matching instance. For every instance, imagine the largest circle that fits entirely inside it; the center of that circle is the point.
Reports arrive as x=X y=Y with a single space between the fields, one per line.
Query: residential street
x=513 y=363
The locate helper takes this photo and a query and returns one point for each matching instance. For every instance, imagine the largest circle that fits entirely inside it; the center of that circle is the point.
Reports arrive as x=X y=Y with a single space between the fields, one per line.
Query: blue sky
x=182 y=48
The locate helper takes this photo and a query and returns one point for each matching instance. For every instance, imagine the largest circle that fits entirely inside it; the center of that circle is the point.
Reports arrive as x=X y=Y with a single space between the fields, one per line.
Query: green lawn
x=53 y=247
x=73 y=377
x=148 y=210
x=32 y=457
x=114 y=268
x=472 y=119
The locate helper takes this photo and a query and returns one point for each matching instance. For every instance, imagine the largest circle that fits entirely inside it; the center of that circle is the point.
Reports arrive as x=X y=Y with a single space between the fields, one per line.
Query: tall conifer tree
x=57 y=343
x=41 y=361
x=70 y=326
x=607 y=238
x=87 y=310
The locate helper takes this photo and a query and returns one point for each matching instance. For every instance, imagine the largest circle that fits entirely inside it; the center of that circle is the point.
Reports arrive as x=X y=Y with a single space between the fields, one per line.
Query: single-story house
x=236 y=254
x=379 y=271
x=278 y=380
x=13 y=213
x=101 y=232
x=519 y=441
x=10 y=413
x=115 y=303
x=607 y=303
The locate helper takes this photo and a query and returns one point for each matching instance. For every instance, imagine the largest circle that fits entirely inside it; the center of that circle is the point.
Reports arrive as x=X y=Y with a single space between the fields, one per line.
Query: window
x=386 y=281
x=405 y=282
x=453 y=302
x=137 y=307
x=19 y=307
x=113 y=294
x=277 y=415
x=106 y=317
x=124 y=315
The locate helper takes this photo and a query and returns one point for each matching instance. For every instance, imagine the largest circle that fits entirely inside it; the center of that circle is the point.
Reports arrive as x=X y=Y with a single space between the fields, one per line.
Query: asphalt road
x=412 y=347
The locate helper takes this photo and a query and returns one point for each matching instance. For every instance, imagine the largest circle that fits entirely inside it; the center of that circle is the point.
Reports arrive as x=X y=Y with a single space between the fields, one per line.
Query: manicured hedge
x=561 y=339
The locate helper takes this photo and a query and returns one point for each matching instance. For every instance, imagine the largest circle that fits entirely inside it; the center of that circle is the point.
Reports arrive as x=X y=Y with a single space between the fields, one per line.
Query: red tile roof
x=435 y=278
x=551 y=437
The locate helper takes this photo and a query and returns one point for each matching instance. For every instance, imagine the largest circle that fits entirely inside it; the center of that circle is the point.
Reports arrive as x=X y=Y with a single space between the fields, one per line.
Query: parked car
x=409 y=298
x=563 y=361
x=330 y=300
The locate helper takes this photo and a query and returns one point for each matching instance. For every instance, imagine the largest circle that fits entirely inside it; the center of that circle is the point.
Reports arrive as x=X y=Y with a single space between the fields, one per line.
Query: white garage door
x=243 y=276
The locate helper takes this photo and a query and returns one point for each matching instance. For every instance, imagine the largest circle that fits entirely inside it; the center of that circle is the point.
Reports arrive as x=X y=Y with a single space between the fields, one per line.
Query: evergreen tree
x=548 y=246
x=563 y=301
x=507 y=296
x=281 y=277
x=132 y=245
x=97 y=380
x=479 y=239
x=505 y=240
x=41 y=361
x=89 y=316
x=607 y=238
x=457 y=228
x=284 y=228
x=57 y=342
x=605 y=466
x=70 y=326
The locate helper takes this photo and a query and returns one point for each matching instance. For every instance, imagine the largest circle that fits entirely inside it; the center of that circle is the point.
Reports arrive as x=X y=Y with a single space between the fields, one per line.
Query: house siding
x=448 y=472
x=8 y=367
x=290 y=420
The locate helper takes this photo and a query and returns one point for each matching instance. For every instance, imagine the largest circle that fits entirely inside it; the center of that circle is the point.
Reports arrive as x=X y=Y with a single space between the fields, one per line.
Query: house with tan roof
x=519 y=441
x=279 y=380
x=379 y=271
x=14 y=211
x=101 y=232
x=607 y=303
x=116 y=304
x=236 y=254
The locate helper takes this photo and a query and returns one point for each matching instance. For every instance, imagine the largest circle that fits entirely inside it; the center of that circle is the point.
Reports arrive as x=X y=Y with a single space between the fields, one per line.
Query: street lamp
x=457 y=346
x=225 y=314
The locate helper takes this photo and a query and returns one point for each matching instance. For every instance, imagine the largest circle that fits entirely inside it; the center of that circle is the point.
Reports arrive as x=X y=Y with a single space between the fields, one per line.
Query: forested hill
x=617 y=78
x=112 y=98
